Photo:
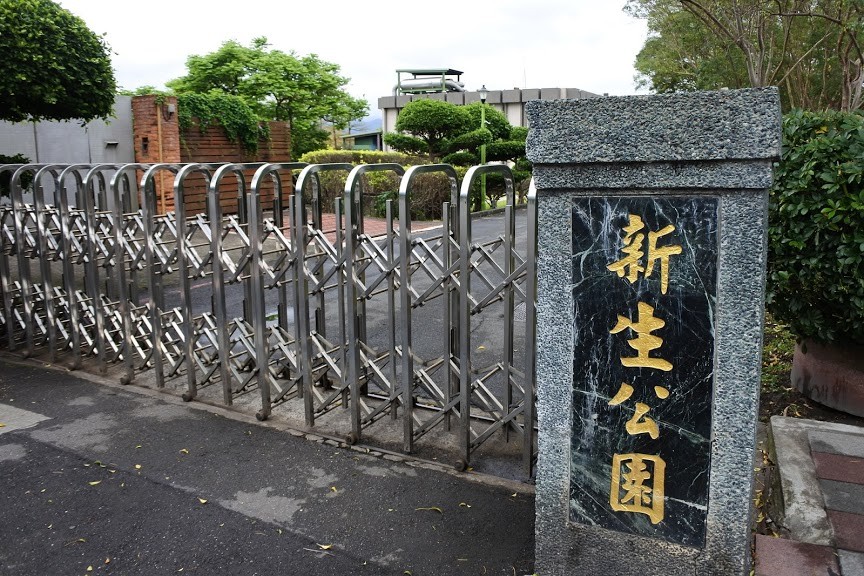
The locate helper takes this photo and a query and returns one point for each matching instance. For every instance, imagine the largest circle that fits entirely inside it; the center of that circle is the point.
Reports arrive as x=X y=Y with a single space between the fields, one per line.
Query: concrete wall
x=69 y=142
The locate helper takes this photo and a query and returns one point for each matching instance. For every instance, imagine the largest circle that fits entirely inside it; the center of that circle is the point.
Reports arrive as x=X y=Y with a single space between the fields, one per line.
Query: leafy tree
x=145 y=90
x=679 y=55
x=277 y=85
x=811 y=49
x=53 y=67
x=343 y=114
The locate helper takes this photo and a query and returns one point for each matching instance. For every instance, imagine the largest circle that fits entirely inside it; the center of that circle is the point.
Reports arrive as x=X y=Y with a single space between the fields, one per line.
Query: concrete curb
x=797 y=503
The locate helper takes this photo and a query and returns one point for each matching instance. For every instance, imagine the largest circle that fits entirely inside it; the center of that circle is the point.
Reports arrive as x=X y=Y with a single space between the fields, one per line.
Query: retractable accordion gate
x=283 y=297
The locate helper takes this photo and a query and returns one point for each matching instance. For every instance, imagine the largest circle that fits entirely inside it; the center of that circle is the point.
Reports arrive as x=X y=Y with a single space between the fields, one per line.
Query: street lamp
x=483 y=94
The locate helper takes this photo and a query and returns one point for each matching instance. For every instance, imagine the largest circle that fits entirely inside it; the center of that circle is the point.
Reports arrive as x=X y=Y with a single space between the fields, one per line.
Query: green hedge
x=430 y=191
x=428 y=194
x=361 y=157
x=816 y=228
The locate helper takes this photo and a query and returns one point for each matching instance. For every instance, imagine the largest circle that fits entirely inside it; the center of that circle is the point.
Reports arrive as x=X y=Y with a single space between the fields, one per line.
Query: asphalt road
x=95 y=479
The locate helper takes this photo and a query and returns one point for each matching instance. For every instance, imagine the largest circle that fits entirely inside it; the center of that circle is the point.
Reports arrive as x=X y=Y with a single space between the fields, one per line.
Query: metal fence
x=275 y=303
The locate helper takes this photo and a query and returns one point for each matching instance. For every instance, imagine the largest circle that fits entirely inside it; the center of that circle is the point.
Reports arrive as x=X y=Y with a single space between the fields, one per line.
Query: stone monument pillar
x=651 y=274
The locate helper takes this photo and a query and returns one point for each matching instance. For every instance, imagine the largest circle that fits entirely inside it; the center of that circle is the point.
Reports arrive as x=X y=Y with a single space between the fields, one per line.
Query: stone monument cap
x=721 y=125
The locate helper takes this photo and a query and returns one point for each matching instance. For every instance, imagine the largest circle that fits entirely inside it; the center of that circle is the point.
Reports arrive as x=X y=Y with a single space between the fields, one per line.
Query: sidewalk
x=819 y=500
x=97 y=479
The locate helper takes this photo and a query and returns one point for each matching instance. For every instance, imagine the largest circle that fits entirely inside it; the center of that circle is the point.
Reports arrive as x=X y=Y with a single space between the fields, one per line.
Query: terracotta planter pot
x=832 y=375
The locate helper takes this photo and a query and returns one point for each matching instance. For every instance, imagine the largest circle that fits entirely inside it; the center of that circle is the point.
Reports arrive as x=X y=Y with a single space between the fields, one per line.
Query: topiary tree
x=428 y=126
x=816 y=241
x=53 y=67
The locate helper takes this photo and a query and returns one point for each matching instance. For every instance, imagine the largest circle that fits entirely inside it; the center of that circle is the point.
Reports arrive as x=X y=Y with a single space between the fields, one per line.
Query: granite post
x=651 y=275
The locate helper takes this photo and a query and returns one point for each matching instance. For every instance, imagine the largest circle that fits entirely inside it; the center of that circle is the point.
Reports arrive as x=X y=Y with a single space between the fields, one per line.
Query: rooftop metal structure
x=428 y=81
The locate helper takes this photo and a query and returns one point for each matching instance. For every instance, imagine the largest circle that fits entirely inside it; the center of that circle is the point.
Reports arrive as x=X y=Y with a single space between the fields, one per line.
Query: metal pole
x=483 y=155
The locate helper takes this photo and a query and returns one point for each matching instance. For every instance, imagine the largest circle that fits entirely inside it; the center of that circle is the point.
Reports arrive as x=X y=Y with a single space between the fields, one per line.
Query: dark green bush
x=6 y=176
x=461 y=158
x=428 y=194
x=816 y=228
x=333 y=183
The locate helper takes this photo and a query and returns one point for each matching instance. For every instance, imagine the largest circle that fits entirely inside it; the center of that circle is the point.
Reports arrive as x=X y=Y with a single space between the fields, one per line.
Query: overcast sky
x=587 y=44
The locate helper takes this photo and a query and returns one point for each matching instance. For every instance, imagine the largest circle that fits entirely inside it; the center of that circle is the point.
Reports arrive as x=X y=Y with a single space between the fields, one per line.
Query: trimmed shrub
x=816 y=237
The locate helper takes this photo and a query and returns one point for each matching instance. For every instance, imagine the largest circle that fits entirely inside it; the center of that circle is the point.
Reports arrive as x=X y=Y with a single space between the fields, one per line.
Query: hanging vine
x=238 y=120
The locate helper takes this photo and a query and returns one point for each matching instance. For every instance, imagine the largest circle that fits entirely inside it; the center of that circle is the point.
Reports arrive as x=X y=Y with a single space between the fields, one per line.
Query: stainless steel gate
x=317 y=317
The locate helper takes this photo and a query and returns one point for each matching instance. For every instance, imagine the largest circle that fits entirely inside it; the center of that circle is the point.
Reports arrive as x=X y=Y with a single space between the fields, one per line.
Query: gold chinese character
x=641 y=487
x=638 y=423
x=623 y=394
x=631 y=265
x=633 y=249
x=644 y=342
x=661 y=254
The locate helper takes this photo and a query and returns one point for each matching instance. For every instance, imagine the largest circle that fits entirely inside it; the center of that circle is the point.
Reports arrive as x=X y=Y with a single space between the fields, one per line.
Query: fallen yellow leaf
x=432 y=509
x=325 y=546
x=107 y=560
x=184 y=451
x=95 y=482
x=202 y=500
x=464 y=505
x=89 y=568
x=2 y=425
x=137 y=466
x=138 y=446
x=333 y=489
